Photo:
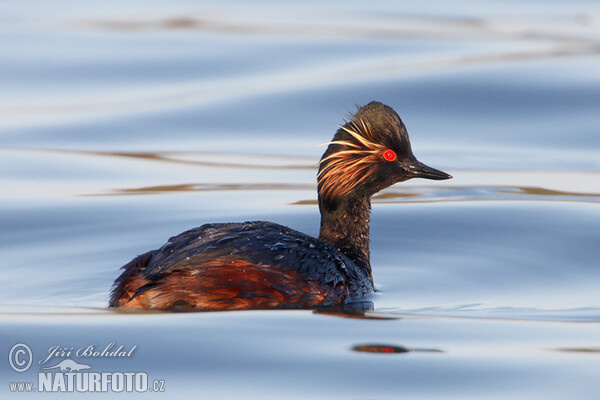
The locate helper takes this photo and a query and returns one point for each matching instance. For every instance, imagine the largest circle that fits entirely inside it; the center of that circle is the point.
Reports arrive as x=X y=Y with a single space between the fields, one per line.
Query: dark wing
x=236 y=266
x=258 y=243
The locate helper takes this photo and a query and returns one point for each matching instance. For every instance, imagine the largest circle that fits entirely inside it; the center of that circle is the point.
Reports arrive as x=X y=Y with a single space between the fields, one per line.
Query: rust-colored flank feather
x=225 y=285
x=344 y=170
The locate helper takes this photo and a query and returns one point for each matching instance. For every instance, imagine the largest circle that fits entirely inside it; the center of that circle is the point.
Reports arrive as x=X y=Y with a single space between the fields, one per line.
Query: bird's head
x=370 y=152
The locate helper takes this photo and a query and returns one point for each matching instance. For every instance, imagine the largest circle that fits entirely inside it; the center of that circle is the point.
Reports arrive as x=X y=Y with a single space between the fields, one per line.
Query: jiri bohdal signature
x=91 y=351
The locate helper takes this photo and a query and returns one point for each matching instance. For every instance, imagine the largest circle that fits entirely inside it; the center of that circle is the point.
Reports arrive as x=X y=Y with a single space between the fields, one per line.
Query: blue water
x=123 y=124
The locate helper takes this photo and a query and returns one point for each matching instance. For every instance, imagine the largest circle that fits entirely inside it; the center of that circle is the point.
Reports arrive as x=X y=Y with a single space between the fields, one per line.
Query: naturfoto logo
x=59 y=372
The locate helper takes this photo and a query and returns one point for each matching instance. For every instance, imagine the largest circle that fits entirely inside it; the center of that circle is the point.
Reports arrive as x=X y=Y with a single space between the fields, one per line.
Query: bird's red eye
x=389 y=155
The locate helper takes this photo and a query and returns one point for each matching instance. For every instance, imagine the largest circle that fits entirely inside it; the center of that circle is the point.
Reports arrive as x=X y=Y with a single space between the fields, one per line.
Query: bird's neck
x=345 y=224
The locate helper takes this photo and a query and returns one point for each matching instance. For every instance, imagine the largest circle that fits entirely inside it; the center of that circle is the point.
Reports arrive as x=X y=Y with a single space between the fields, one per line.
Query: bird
x=264 y=265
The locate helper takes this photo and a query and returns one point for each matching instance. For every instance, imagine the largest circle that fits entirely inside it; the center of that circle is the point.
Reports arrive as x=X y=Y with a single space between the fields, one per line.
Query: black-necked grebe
x=254 y=265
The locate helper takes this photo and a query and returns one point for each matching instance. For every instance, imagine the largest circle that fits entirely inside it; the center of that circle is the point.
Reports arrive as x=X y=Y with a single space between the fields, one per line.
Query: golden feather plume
x=345 y=169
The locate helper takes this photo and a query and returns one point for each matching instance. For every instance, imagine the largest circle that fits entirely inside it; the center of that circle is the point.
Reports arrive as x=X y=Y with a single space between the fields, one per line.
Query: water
x=123 y=124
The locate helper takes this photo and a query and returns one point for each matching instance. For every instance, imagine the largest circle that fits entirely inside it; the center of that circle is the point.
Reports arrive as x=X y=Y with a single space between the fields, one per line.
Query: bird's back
x=243 y=265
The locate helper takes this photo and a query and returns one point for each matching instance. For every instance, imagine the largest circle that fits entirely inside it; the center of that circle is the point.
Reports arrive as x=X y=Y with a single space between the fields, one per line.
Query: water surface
x=123 y=124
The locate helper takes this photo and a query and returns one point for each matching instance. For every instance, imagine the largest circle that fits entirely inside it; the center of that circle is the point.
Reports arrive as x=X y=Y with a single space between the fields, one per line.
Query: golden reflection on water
x=176 y=158
x=441 y=194
x=437 y=194
x=423 y=195
x=279 y=162
x=357 y=313
x=204 y=187
x=570 y=36
x=575 y=36
x=537 y=191
x=373 y=25
x=580 y=350
x=473 y=190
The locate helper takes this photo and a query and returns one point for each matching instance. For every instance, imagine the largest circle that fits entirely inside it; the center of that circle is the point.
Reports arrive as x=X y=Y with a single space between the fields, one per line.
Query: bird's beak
x=417 y=169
